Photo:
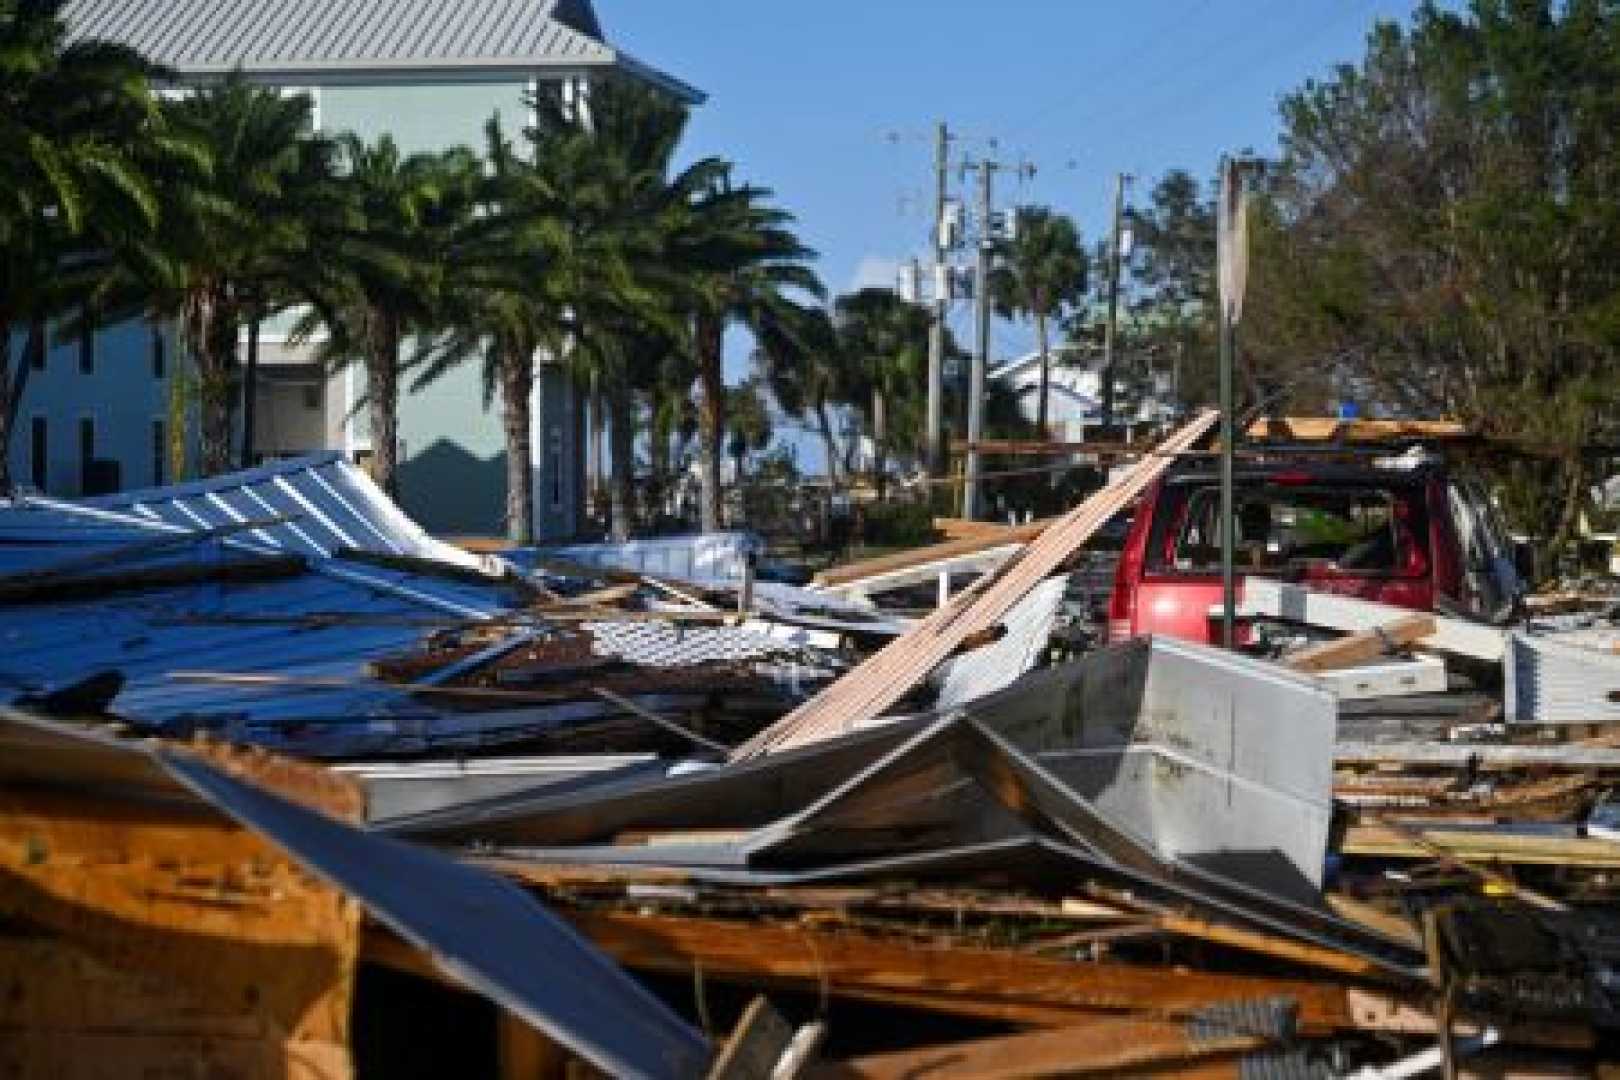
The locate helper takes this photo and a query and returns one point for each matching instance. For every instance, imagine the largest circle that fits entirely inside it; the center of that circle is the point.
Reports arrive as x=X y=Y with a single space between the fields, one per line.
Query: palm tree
x=502 y=300
x=233 y=237
x=379 y=270
x=807 y=373
x=749 y=422
x=77 y=122
x=746 y=267
x=1040 y=275
x=884 y=340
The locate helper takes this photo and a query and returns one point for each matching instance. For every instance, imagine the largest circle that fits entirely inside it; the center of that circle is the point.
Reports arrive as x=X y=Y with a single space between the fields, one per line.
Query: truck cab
x=1406 y=531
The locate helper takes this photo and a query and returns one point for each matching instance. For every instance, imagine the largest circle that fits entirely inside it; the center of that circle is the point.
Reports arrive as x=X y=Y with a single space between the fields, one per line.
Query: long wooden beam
x=1103 y=1048
x=979 y=983
x=879 y=683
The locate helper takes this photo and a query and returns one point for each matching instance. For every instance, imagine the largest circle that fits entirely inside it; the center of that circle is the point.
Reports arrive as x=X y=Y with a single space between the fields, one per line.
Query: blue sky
x=832 y=104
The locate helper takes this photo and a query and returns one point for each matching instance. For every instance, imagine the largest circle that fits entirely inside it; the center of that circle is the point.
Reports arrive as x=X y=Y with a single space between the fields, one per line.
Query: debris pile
x=289 y=788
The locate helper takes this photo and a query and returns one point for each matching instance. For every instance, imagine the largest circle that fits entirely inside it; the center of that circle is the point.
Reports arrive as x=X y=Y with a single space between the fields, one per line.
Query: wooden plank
x=180 y=894
x=1362 y=647
x=853 y=573
x=1279 y=600
x=1481 y=847
x=1330 y=429
x=958 y=981
x=882 y=680
x=1104 y=1048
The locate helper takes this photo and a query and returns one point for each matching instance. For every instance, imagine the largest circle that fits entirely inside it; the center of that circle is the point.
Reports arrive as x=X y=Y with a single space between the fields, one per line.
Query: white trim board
x=1279 y=600
x=1425 y=675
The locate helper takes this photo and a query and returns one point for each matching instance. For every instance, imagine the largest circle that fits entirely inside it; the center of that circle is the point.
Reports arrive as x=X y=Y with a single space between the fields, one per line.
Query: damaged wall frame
x=480 y=930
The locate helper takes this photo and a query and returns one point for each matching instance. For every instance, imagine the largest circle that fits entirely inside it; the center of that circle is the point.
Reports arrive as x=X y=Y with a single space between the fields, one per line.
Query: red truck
x=1410 y=532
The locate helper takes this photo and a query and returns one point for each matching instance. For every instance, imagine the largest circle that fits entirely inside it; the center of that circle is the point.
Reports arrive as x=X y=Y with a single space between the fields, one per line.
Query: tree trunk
x=211 y=337
x=382 y=379
x=598 y=478
x=659 y=436
x=623 y=497
x=829 y=444
x=517 y=383
x=1046 y=376
x=713 y=420
x=250 y=391
x=880 y=444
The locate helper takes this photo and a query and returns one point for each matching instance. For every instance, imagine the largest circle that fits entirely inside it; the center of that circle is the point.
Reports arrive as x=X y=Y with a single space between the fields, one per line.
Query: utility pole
x=981 y=349
x=942 y=303
x=1113 y=306
x=1232 y=265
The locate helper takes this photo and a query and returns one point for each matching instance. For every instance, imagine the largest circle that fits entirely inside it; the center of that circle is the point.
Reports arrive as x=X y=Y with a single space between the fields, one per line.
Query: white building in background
x=1074 y=397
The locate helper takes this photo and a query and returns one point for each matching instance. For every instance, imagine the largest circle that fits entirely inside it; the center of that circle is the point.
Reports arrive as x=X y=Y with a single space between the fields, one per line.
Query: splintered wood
x=885 y=678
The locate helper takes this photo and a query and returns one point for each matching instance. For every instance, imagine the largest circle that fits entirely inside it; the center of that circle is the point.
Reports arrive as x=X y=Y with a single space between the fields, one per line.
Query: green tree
x=1041 y=275
x=884 y=340
x=742 y=265
x=1444 y=228
x=234 y=239
x=380 y=269
x=748 y=416
x=80 y=124
x=807 y=372
x=502 y=301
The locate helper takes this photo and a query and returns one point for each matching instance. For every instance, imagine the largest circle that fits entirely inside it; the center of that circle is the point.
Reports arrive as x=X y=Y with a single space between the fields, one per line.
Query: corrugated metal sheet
x=315 y=37
x=699 y=557
x=332 y=505
x=1553 y=682
x=660 y=644
x=984 y=671
x=324 y=625
x=195 y=35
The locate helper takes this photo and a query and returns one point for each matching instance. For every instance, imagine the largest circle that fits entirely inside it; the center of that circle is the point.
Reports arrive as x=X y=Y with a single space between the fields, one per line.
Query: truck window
x=1357 y=531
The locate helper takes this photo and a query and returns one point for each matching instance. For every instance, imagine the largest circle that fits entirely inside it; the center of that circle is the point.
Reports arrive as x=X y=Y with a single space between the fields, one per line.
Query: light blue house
x=428 y=72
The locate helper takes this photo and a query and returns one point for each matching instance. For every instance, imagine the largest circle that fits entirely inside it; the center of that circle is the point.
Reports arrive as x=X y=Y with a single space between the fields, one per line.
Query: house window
x=158 y=359
x=556 y=468
x=38 y=452
x=160 y=452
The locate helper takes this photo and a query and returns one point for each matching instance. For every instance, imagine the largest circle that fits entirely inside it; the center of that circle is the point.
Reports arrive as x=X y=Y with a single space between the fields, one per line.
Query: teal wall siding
x=425 y=117
x=121 y=396
x=453 y=473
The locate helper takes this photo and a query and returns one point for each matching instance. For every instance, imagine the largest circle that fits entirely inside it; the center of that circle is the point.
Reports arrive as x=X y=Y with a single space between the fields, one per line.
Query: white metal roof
x=357 y=37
